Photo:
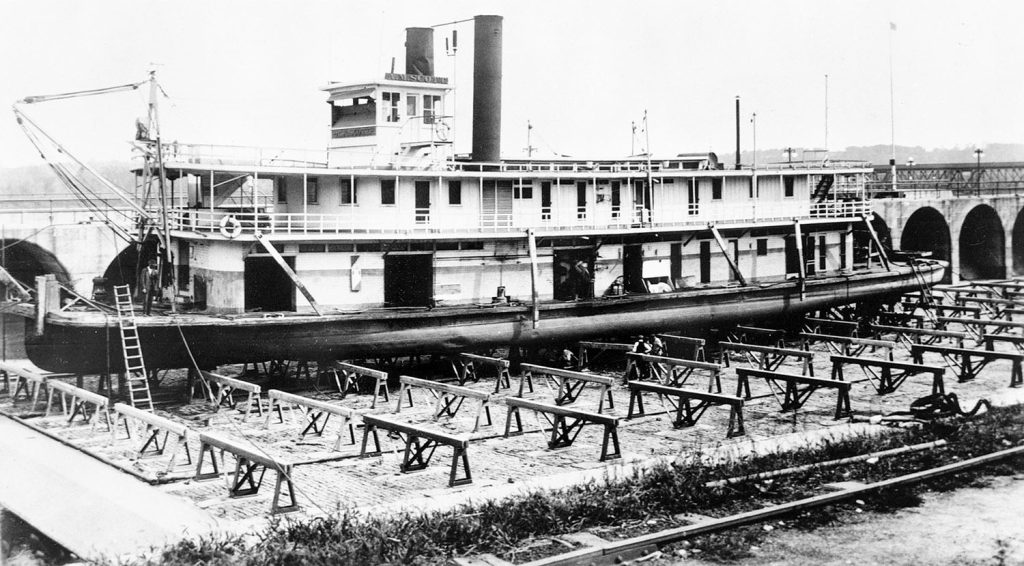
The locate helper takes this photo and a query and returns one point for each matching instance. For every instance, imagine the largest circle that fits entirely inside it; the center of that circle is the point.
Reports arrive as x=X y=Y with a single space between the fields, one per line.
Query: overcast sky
x=249 y=72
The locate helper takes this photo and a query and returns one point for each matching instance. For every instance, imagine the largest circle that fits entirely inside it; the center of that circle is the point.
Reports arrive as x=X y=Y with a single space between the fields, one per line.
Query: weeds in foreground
x=347 y=537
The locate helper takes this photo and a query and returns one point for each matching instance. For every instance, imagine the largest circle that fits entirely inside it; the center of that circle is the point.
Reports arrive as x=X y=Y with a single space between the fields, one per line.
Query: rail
x=426 y=221
x=942 y=188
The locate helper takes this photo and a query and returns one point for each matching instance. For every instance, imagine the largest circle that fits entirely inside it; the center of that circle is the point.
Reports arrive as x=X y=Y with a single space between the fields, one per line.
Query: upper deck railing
x=577 y=219
x=208 y=155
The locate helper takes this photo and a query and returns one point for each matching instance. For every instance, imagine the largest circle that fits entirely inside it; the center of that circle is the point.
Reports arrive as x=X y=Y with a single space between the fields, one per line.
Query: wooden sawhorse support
x=687 y=414
x=248 y=462
x=350 y=375
x=448 y=398
x=420 y=444
x=892 y=374
x=566 y=424
x=314 y=410
x=794 y=396
x=571 y=383
x=154 y=425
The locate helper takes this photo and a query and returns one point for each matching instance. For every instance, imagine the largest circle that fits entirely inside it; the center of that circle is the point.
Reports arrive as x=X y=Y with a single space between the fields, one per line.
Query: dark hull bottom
x=95 y=349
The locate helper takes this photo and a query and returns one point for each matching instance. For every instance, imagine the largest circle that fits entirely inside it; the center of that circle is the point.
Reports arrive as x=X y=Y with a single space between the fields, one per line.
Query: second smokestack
x=737 y=133
x=419 y=51
x=487 y=88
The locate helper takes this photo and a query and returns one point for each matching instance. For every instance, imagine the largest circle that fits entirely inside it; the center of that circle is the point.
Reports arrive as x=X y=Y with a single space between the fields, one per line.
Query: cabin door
x=809 y=256
x=705 y=262
x=573 y=270
x=267 y=287
x=496 y=203
x=422 y=202
x=693 y=198
x=633 y=269
x=408 y=280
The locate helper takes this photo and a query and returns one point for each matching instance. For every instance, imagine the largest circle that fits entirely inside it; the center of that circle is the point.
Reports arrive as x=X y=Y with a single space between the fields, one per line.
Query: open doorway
x=633 y=268
x=574 y=270
x=408 y=280
x=267 y=287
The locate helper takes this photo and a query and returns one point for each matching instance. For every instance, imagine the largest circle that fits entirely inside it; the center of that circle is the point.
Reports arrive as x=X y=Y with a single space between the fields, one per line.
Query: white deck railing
x=426 y=221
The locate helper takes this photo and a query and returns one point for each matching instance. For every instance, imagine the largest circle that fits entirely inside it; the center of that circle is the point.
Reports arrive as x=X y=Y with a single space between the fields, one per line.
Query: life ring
x=230 y=227
x=442 y=130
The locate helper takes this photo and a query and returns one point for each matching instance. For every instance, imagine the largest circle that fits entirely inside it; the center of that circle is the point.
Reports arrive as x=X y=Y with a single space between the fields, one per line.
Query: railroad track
x=625 y=550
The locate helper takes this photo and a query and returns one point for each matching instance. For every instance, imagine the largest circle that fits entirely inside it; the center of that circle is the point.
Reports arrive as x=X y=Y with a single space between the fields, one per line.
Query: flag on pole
x=892 y=26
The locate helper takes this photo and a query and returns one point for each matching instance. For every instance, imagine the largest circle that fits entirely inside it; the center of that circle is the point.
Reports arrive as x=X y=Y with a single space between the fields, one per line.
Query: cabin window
x=431 y=108
x=312 y=248
x=762 y=246
x=348 y=193
x=282 y=192
x=716 y=189
x=391 y=102
x=822 y=253
x=787 y=186
x=312 y=191
x=455 y=192
x=522 y=189
x=341 y=248
x=387 y=191
x=410 y=107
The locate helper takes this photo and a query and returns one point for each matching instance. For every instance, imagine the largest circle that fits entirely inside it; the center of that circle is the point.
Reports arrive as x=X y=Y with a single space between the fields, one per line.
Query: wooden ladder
x=135 y=368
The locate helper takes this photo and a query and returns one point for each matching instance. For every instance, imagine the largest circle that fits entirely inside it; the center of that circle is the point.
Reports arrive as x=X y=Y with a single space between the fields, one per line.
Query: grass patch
x=512 y=527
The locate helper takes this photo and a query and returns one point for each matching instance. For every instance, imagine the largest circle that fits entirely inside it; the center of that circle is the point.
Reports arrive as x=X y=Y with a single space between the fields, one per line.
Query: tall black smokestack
x=419 y=51
x=487 y=88
x=737 y=133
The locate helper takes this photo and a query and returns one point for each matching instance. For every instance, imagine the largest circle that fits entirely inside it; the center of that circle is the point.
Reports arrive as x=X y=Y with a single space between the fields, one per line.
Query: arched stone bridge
x=969 y=215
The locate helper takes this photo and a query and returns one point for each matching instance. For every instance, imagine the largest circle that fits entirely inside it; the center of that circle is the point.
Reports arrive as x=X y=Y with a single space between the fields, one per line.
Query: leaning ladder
x=135 y=368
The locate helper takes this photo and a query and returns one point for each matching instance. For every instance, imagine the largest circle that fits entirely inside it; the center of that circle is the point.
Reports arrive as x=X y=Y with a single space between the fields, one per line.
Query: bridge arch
x=125 y=268
x=982 y=245
x=927 y=231
x=25 y=260
x=1017 y=242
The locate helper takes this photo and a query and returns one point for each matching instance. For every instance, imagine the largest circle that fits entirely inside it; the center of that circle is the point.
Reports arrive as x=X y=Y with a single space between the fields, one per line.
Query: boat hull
x=70 y=345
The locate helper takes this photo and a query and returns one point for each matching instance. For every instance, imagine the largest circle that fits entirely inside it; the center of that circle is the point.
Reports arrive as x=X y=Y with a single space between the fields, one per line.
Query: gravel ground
x=980 y=525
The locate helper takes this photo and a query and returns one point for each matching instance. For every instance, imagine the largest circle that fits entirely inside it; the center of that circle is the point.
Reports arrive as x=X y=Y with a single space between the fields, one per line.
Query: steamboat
x=387 y=243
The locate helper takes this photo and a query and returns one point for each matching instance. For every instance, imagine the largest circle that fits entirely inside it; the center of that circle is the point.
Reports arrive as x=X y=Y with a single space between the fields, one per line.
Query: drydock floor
x=327 y=480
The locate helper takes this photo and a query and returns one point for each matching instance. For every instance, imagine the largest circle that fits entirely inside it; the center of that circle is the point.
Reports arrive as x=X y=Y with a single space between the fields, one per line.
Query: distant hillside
x=40 y=180
x=879 y=154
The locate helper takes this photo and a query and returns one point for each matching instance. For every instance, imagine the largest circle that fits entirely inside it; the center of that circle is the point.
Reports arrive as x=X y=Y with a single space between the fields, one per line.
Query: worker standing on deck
x=150 y=285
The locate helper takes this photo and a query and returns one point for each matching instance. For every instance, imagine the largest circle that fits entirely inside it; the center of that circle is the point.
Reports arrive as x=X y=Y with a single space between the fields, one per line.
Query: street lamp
x=977 y=154
x=910 y=167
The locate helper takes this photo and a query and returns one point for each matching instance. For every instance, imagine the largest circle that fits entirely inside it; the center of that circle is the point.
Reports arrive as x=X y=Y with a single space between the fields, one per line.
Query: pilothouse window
x=391 y=102
x=431 y=108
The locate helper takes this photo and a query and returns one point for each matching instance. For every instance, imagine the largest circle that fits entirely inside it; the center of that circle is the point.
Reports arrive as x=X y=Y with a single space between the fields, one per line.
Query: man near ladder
x=150 y=285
